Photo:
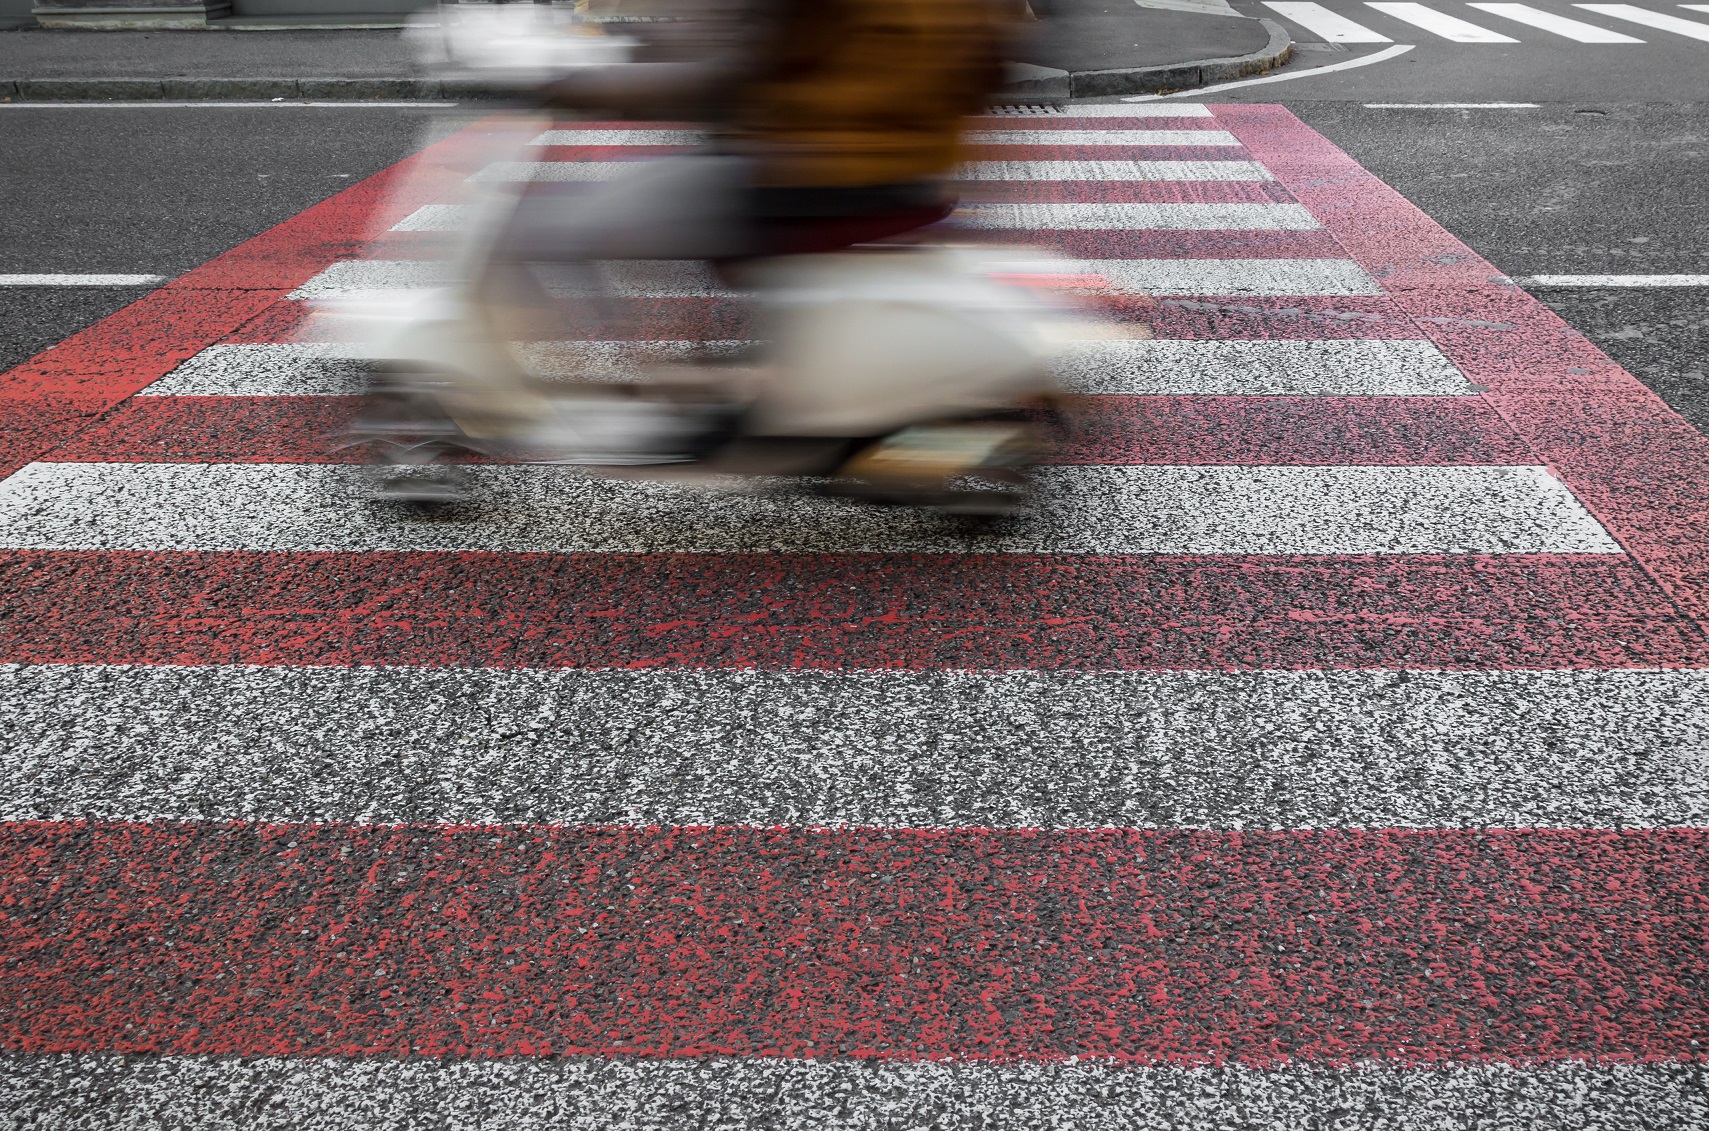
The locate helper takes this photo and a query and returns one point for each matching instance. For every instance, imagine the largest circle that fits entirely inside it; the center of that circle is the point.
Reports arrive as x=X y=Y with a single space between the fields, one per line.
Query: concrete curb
x=1027 y=84
x=1185 y=76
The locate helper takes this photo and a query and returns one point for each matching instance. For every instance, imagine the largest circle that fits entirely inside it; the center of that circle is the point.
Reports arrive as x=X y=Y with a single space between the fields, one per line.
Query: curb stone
x=1027 y=83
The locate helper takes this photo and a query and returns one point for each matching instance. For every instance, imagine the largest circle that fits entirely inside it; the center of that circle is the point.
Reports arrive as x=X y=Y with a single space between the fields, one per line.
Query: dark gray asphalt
x=158 y=190
x=1567 y=189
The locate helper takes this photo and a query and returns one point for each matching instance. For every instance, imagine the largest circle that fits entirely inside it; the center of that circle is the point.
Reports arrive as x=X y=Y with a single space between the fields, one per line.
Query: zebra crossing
x=1376 y=22
x=1329 y=743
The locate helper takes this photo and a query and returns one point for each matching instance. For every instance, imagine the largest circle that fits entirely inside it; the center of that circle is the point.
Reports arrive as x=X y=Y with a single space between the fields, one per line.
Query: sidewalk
x=1084 y=48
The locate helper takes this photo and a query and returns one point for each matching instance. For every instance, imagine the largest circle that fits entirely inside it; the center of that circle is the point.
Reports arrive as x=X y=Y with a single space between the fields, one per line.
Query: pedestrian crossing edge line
x=1522 y=354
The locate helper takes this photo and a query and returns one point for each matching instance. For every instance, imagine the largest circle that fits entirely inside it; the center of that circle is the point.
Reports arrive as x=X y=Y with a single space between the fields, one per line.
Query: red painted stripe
x=837 y=611
x=1105 y=430
x=1636 y=464
x=64 y=388
x=1144 y=947
x=721 y=319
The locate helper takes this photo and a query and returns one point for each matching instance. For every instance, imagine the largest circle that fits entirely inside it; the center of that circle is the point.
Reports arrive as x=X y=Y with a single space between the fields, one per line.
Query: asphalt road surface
x=1326 y=748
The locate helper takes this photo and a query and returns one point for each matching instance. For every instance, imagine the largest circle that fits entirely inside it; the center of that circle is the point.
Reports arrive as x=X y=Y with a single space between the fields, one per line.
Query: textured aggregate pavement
x=1327 y=748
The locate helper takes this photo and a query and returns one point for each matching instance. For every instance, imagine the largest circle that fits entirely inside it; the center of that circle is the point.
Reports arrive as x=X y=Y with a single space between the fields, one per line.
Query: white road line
x=1116 y=110
x=1276 y=367
x=80 y=280
x=1078 y=510
x=898 y=749
x=436 y=218
x=620 y=137
x=510 y=171
x=1382 y=56
x=1696 y=7
x=1331 y=26
x=1140 y=217
x=1115 y=171
x=1451 y=105
x=1448 y=27
x=1102 y=137
x=680 y=280
x=1231 y=276
x=1613 y=280
x=303 y=1093
x=1261 y=368
x=1560 y=25
x=1658 y=20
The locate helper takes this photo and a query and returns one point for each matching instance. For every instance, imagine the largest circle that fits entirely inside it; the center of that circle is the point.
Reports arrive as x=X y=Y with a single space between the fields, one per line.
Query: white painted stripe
x=1613 y=280
x=110 y=1093
x=620 y=137
x=686 y=279
x=1451 y=105
x=500 y=172
x=1661 y=21
x=1560 y=25
x=1143 y=368
x=1259 y=368
x=1437 y=23
x=897 y=749
x=1140 y=217
x=1696 y=7
x=1078 y=510
x=1231 y=276
x=1115 y=171
x=513 y=171
x=1117 y=110
x=294 y=369
x=1082 y=216
x=671 y=279
x=1331 y=26
x=1382 y=56
x=1102 y=137
x=80 y=280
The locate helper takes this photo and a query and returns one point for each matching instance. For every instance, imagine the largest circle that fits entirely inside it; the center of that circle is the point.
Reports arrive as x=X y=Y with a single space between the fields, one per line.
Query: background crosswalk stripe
x=1661 y=21
x=1333 y=27
x=619 y=137
x=1439 y=23
x=1102 y=137
x=1080 y=510
x=1171 y=947
x=334 y=1093
x=1134 y=217
x=1115 y=171
x=1309 y=749
x=1231 y=276
x=1560 y=25
x=1275 y=366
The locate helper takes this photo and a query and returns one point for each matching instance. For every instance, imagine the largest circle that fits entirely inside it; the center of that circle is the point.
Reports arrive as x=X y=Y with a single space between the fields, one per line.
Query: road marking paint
x=1612 y=280
x=772 y=1091
x=1451 y=105
x=1451 y=28
x=511 y=171
x=1140 y=217
x=437 y=218
x=685 y=280
x=1079 y=510
x=1331 y=26
x=899 y=749
x=1263 y=367
x=620 y=137
x=1382 y=56
x=1231 y=276
x=1174 y=367
x=1102 y=137
x=1117 y=110
x=80 y=280
x=624 y=944
x=1658 y=20
x=1115 y=171
x=1560 y=25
